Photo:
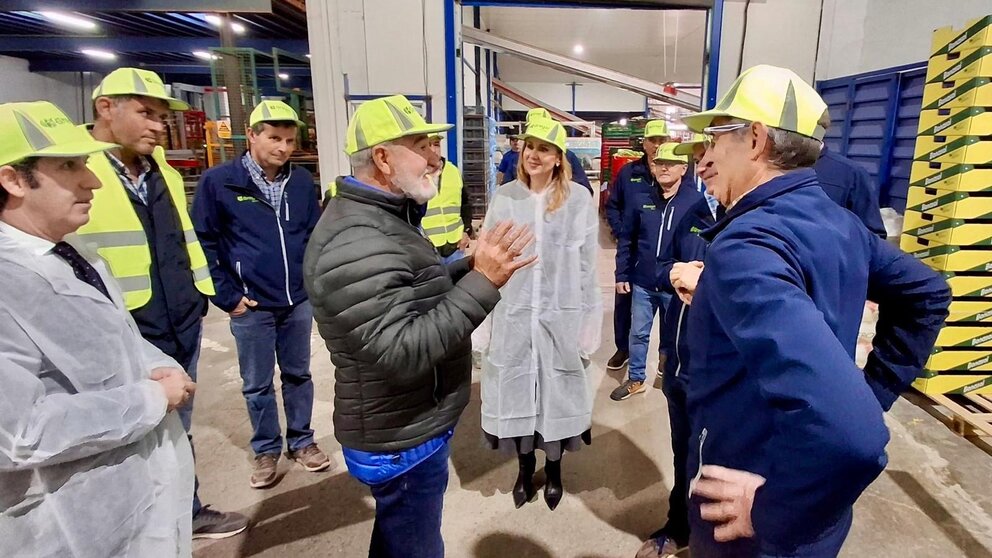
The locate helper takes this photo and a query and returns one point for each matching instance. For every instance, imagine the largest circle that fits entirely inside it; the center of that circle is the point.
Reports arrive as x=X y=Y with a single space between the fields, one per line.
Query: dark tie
x=82 y=268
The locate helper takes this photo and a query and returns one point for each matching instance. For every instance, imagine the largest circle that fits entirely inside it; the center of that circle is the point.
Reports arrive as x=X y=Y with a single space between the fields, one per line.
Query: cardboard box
x=969 y=121
x=976 y=33
x=946 y=257
x=954 y=231
x=970 y=150
x=959 y=384
x=966 y=64
x=969 y=285
x=957 y=362
x=974 y=92
x=970 y=311
x=930 y=204
x=950 y=176
x=965 y=337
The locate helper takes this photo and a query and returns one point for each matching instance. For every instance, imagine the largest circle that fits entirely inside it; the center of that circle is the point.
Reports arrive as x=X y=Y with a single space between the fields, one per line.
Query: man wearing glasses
x=785 y=430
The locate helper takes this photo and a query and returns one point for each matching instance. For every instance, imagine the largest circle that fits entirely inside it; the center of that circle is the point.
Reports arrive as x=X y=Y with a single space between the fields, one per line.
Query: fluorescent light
x=70 y=20
x=204 y=55
x=101 y=54
x=308 y=56
x=283 y=76
x=623 y=121
x=216 y=21
x=578 y=49
x=238 y=28
x=213 y=20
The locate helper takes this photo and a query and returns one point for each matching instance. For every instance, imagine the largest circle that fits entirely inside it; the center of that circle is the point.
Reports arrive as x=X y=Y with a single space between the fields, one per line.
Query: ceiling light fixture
x=101 y=54
x=578 y=49
x=204 y=55
x=283 y=76
x=69 y=20
x=308 y=56
x=238 y=28
x=623 y=121
x=216 y=21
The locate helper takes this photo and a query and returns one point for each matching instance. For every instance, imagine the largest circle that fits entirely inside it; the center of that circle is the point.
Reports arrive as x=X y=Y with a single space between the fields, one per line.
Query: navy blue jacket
x=849 y=184
x=646 y=233
x=687 y=246
x=252 y=249
x=773 y=386
x=633 y=177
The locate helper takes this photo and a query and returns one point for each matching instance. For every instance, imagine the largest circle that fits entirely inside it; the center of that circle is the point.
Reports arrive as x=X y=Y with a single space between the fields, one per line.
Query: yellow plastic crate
x=929 y=204
x=970 y=150
x=954 y=383
x=949 y=176
x=954 y=231
x=942 y=361
x=974 y=92
x=964 y=336
x=970 y=121
x=965 y=64
x=969 y=285
x=947 y=257
x=970 y=311
x=976 y=33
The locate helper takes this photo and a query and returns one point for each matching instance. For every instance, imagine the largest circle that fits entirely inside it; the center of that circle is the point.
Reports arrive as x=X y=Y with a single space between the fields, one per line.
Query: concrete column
x=328 y=88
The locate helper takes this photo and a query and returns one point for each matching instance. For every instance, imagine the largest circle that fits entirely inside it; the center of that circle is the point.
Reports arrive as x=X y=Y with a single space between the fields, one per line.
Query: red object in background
x=616 y=163
x=670 y=89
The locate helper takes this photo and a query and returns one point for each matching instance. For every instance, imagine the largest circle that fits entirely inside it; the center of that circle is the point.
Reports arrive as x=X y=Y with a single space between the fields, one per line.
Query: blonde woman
x=535 y=394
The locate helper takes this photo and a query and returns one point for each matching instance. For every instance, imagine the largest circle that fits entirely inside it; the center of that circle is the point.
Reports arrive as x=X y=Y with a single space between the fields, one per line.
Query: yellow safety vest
x=115 y=232
x=443 y=221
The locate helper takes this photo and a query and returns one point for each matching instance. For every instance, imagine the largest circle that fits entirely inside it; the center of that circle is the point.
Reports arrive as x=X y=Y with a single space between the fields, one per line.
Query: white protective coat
x=91 y=465
x=548 y=320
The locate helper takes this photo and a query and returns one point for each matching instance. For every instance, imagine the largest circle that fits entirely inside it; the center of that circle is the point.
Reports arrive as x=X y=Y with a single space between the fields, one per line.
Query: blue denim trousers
x=645 y=305
x=408 y=511
x=264 y=337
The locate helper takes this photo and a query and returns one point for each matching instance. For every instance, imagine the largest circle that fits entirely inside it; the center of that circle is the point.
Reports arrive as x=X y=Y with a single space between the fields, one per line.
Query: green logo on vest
x=695 y=230
x=649 y=206
x=247 y=199
x=638 y=179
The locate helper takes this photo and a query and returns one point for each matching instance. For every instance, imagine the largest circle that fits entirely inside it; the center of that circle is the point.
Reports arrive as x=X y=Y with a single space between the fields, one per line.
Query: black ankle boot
x=553 y=490
x=523 y=489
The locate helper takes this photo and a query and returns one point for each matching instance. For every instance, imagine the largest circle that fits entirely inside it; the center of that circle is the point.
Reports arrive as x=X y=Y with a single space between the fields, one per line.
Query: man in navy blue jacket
x=848 y=184
x=786 y=431
x=254 y=216
x=633 y=178
x=646 y=232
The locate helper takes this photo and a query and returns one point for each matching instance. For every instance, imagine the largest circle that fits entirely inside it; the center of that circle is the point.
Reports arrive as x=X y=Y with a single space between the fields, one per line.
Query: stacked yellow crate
x=948 y=221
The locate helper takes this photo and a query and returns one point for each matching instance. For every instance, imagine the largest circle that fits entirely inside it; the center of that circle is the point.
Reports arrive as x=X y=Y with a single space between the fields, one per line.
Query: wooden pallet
x=967 y=415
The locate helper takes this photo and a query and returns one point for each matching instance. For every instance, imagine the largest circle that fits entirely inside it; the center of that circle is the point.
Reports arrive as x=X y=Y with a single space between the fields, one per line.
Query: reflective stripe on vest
x=443 y=221
x=115 y=232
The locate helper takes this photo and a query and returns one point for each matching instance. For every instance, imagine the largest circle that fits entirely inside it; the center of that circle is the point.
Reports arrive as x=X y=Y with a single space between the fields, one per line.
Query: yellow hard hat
x=774 y=96
x=41 y=129
x=274 y=111
x=656 y=128
x=538 y=113
x=386 y=119
x=547 y=130
x=666 y=152
x=687 y=147
x=133 y=81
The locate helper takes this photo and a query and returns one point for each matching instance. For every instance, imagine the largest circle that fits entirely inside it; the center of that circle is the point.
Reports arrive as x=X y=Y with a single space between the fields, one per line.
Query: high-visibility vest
x=115 y=232
x=443 y=221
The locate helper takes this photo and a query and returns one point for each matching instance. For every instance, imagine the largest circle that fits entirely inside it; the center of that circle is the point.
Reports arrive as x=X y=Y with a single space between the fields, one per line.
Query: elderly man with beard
x=397 y=322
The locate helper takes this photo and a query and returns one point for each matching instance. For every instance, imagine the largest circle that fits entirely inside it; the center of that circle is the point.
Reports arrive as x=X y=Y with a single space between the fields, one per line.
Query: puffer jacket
x=396 y=321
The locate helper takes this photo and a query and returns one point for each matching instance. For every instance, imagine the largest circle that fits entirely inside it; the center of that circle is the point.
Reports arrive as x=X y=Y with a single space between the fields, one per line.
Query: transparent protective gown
x=90 y=463
x=548 y=320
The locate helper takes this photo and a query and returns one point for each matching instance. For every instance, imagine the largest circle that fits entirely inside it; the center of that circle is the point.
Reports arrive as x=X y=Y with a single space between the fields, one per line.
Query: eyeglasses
x=712 y=131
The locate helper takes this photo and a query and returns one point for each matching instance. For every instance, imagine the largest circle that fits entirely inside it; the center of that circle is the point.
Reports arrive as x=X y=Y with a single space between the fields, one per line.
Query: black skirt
x=527 y=444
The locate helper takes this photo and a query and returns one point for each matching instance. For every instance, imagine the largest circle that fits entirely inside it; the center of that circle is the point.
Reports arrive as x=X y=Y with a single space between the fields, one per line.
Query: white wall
x=779 y=32
x=596 y=97
x=373 y=47
x=865 y=35
x=69 y=91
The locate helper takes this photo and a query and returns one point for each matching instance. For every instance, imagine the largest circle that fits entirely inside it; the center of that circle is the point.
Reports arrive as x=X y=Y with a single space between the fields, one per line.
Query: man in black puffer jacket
x=397 y=322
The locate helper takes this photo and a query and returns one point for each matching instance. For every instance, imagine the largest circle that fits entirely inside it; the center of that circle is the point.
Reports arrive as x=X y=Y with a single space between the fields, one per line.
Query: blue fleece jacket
x=773 y=387
x=253 y=249
x=649 y=221
x=849 y=185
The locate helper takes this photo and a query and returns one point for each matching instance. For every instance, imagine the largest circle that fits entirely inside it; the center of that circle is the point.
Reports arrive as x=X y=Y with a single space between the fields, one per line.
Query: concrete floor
x=934 y=500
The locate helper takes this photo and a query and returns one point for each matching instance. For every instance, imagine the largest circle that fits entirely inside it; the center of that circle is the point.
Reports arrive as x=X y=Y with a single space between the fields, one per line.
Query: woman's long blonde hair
x=561 y=178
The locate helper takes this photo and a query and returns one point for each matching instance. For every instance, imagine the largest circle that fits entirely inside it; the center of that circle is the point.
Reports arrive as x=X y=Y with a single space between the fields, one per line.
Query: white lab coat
x=90 y=463
x=549 y=318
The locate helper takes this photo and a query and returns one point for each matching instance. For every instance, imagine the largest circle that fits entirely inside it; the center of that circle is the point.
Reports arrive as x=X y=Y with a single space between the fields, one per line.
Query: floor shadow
x=504 y=545
x=956 y=533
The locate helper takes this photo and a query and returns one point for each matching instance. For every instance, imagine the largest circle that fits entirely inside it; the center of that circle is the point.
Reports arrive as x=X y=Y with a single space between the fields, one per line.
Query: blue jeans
x=454 y=257
x=262 y=338
x=408 y=511
x=644 y=305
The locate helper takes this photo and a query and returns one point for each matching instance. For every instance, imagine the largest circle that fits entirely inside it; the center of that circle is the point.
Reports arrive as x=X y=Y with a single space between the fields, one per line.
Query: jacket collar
x=406 y=209
x=240 y=179
x=792 y=180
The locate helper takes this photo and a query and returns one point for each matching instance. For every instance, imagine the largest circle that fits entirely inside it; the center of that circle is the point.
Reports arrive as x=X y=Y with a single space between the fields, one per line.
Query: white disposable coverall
x=90 y=463
x=548 y=319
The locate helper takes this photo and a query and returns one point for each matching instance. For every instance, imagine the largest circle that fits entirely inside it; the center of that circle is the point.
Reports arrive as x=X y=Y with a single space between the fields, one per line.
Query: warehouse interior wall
x=69 y=90
x=589 y=97
x=866 y=35
x=372 y=47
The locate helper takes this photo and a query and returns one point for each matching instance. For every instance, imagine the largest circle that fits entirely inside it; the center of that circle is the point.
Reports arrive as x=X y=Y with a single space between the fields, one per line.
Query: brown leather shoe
x=311 y=458
x=264 y=474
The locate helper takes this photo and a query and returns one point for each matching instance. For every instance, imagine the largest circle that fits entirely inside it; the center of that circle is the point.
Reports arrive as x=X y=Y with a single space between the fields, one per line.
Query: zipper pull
x=699 y=470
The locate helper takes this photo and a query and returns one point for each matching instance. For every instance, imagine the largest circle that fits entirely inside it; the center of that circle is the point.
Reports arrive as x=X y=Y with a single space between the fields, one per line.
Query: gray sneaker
x=627 y=389
x=212 y=524
x=264 y=474
x=311 y=458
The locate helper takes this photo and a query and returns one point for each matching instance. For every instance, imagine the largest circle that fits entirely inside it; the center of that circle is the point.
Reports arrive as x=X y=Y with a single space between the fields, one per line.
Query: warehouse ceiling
x=161 y=41
x=657 y=45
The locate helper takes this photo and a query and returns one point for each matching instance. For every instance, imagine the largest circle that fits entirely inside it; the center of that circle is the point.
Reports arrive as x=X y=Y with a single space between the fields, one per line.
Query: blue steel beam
x=143 y=44
x=451 y=79
x=713 y=60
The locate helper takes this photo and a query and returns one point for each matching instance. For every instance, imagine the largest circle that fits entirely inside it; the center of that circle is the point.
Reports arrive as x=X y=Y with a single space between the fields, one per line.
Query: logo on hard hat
x=55 y=122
